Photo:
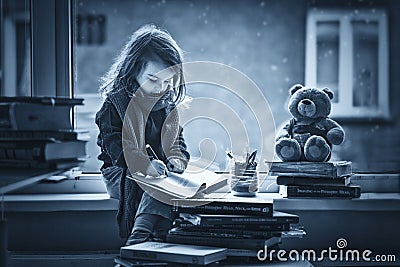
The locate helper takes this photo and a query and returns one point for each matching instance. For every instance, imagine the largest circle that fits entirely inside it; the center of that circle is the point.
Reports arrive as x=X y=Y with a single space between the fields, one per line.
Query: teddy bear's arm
x=284 y=132
x=335 y=133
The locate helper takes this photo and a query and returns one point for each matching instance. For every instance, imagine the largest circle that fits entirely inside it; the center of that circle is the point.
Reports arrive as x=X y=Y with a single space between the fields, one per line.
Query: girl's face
x=153 y=81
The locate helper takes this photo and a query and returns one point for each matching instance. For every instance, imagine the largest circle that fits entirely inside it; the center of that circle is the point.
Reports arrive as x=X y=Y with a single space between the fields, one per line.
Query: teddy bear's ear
x=328 y=92
x=295 y=88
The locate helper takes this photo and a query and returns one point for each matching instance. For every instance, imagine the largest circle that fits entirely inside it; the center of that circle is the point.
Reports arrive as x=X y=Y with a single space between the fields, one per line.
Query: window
x=347 y=51
x=35 y=58
x=15 y=71
x=90 y=29
x=112 y=23
x=62 y=47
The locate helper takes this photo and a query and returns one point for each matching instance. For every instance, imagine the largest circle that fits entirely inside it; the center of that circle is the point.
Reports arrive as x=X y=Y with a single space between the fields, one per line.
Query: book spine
x=38 y=135
x=324 y=191
x=41 y=150
x=34 y=116
x=156 y=256
x=237 y=252
x=53 y=165
x=311 y=169
x=26 y=164
x=283 y=180
x=22 y=151
x=228 y=208
x=251 y=227
x=246 y=220
x=217 y=242
x=225 y=233
x=133 y=263
x=144 y=255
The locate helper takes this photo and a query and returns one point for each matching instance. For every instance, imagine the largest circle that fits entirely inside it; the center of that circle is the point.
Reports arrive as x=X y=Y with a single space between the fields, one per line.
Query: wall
x=263 y=39
x=260 y=39
x=373 y=145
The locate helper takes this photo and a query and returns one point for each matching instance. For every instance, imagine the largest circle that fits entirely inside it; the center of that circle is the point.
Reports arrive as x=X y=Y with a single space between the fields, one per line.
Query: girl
x=135 y=85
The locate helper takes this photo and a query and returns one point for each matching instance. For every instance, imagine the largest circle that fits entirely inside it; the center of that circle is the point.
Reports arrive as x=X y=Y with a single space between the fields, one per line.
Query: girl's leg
x=152 y=222
x=112 y=178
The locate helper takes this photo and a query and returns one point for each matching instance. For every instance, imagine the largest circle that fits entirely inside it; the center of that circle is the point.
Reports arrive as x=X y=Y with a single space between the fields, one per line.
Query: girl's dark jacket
x=110 y=122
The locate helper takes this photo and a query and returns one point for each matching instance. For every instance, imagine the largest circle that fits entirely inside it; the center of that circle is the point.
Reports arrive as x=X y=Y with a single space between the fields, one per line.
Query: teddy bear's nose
x=306 y=102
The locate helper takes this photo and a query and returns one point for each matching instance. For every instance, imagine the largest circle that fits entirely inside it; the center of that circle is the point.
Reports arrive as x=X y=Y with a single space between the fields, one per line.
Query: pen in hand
x=153 y=156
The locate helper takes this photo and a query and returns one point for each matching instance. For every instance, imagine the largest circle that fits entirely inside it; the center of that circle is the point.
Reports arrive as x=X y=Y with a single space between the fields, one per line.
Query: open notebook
x=194 y=182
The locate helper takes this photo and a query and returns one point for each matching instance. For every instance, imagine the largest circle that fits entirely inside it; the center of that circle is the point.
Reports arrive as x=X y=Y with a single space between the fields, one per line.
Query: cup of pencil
x=244 y=177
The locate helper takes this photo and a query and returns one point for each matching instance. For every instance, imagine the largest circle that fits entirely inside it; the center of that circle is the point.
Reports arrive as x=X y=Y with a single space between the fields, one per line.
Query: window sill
x=103 y=202
x=59 y=202
x=85 y=184
x=367 y=202
x=89 y=194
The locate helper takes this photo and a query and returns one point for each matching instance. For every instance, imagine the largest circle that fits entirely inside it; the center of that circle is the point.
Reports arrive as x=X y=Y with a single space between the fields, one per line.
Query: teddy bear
x=310 y=133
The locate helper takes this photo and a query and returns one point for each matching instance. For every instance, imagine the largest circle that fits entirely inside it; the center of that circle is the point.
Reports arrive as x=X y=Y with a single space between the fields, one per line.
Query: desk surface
x=12 y=179
x=102 y=201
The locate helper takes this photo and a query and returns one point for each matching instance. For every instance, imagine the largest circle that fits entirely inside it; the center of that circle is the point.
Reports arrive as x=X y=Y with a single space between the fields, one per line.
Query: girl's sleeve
x=179 y=156
x=110 y=136
x=110 y=127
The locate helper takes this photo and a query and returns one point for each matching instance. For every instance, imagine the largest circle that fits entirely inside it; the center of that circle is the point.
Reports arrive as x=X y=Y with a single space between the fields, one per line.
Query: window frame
x=9 y=32
x=344 y=108
x=50 y=50
x=51 y=53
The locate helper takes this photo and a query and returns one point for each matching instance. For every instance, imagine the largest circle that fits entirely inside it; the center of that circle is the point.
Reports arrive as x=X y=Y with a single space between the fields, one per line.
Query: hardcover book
x=218 y=219
x=237 y=252
x=49 y=165
x=231 y=206
x=224 y=242
x=135 y=263
x=287 y=180
x=62 y=135
x=40 y=150
x=252 y=227
x=217 y=232
x=36 y=113
x=331 y=170
x=180 y=253
x=323 y=191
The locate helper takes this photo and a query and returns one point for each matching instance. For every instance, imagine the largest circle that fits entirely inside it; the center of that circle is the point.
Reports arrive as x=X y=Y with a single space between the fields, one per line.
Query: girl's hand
x=156 y=168
x=174 y=165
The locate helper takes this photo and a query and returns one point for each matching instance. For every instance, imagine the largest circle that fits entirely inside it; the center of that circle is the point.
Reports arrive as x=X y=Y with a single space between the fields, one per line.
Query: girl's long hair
x=148 y=42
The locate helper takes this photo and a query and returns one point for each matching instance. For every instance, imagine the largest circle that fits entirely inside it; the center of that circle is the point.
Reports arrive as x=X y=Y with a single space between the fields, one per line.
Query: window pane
x=328 y=56
x=102 y=28
x=15 y=69
x=90 y=44
x=365 y=63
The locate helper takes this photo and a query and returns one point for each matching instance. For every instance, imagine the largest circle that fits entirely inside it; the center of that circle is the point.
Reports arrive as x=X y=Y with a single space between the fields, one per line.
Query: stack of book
x=159 y=254
x=242 y=225
x=315 y=179
x=37 y=132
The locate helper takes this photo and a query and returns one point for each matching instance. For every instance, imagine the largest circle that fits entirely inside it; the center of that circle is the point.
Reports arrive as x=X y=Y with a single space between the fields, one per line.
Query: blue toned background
x=263 y=39
x=266 y=40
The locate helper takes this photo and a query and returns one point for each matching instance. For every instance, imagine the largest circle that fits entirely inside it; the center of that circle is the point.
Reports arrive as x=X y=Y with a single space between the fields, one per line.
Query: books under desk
x=367 y=202
x=245 y=225
x=240 y=225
